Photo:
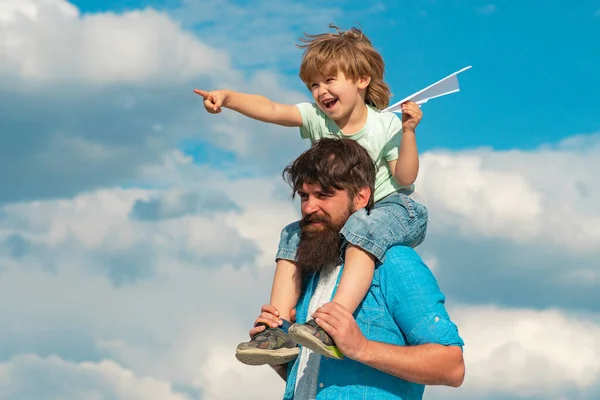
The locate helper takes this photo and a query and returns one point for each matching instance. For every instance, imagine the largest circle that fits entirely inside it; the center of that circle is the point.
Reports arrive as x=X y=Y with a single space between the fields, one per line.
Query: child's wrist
x=226 y=94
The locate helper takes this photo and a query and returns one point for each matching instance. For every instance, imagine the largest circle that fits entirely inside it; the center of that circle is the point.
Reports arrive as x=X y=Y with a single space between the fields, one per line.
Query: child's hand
x=411 y=116
x=213 y=101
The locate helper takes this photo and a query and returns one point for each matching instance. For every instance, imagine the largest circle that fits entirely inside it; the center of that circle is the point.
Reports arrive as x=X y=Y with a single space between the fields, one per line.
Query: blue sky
x=534 y=78
x=129 y=217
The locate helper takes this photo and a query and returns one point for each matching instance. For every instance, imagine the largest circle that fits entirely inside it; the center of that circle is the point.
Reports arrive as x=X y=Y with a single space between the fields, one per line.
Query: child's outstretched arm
x=251 y=105
x=406 y=168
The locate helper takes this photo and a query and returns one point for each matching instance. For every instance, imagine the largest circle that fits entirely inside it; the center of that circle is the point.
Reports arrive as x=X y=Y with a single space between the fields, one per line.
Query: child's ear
x=363 y=82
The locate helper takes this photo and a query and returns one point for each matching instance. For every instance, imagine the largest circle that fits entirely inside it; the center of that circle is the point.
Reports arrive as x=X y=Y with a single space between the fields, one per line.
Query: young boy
x=345 y=76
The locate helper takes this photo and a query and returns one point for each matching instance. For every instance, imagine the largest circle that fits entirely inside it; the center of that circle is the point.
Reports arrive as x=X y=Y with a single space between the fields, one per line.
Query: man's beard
x=319 y=247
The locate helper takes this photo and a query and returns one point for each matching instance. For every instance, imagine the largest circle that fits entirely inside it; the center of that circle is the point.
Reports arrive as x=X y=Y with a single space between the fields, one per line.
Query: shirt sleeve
x=393 y=135
x=415 y=299
x=310 y=113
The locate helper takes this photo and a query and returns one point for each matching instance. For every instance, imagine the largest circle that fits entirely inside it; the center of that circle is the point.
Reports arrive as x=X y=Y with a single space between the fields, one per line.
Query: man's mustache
x=312 y=218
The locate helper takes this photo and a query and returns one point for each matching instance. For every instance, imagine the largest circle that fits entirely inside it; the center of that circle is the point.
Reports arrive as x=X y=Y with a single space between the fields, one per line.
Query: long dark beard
x=319 y=248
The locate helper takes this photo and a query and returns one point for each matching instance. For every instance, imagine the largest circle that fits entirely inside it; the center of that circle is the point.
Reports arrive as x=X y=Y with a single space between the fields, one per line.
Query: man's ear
x=363 y=82
x=362 y=198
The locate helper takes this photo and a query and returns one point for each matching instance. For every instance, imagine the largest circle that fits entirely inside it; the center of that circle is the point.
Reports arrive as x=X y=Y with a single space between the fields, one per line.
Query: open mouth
x=329 y=103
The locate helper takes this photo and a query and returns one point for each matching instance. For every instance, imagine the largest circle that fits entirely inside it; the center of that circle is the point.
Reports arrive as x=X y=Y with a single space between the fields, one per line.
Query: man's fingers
x=293 y=315
x=336 y=310
x=273 y=322
x=270 y=319
x=327 y=326
x=257 y=329
x=269 y=309
x=328 y=316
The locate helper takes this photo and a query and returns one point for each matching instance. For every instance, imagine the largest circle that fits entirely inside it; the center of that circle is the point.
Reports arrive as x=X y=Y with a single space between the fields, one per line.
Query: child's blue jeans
x=394 y=220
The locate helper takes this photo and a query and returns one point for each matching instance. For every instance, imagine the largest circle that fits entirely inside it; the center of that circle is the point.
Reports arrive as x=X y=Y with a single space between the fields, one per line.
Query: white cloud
x=49 y=41
x=180 y=324
x=547 y=195
x=56 y=378
x=252 y=383
x=110 y=92
x=140 y=292
x=533 y=354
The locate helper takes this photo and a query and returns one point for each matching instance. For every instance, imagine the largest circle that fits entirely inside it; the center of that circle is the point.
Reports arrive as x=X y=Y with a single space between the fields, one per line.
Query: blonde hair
x=350 y=52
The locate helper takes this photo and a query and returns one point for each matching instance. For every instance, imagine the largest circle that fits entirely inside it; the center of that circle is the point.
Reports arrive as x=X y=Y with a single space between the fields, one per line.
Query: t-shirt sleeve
x=393 y=136
x=310 y=116
x=416 y=301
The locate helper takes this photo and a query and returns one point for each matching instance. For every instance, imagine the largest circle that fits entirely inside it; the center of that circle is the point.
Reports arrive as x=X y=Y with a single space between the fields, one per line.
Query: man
x=402 y=337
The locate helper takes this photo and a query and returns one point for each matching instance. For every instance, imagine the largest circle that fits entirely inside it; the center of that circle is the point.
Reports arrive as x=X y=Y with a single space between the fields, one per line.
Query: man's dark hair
x=333 y=164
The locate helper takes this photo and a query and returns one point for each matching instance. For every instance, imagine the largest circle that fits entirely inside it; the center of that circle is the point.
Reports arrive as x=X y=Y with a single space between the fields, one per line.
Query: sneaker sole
x=306 y=339
x=270 y=357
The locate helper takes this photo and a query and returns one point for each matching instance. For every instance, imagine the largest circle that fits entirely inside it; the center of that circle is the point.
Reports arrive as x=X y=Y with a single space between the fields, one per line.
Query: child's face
x=336 y=95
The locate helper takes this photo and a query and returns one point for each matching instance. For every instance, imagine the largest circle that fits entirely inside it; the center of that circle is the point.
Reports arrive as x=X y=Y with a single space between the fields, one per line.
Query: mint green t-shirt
x=380 y=137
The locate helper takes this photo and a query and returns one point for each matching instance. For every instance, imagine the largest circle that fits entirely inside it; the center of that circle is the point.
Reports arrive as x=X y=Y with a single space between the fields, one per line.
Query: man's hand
x=269 y=315
x=213 y=101
x=342 y=327
x=411 y=116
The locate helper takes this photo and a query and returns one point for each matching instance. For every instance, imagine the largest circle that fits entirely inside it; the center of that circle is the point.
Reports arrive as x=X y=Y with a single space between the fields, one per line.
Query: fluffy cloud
x=174 y=287
x=132 y=271
x=527 y=224
x=49 y=41
x=56 y=378
x=168 y=297
x=90 y=99
x=535 y=354
x=547 y=195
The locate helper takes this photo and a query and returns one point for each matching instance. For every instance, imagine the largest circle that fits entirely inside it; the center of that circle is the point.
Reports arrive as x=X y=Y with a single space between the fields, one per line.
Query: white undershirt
x=308 y=364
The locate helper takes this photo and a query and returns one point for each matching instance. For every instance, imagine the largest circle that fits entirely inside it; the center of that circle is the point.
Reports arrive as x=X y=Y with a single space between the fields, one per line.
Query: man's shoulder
x=402 y=254
x=403 y=262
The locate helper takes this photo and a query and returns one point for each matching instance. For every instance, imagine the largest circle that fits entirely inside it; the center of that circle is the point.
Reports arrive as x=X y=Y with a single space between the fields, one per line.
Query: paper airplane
x=441 y=88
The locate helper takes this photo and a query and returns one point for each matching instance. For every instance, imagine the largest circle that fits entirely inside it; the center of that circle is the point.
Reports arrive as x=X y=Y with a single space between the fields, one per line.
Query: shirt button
x=321 y=385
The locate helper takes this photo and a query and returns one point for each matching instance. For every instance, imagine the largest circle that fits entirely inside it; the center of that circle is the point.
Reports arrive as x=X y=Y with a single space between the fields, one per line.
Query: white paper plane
x=441 y=88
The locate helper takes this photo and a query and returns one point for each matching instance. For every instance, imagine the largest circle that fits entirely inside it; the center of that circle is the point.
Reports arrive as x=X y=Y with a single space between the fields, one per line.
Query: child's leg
x=286 y=282
x=273 y=345
x=285 y=291
x=356 y=279
x=396 y=220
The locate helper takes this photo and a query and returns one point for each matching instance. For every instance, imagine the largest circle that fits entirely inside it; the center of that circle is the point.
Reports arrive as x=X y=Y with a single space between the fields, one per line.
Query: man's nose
x=311 y=206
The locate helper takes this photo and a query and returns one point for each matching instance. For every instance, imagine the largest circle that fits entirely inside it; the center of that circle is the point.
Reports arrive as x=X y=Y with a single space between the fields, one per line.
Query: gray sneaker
x=312 y=336
x=271 y=346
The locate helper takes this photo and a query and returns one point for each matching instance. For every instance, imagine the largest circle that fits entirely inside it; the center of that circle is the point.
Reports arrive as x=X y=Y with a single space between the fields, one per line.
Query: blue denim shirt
x=404 y=306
